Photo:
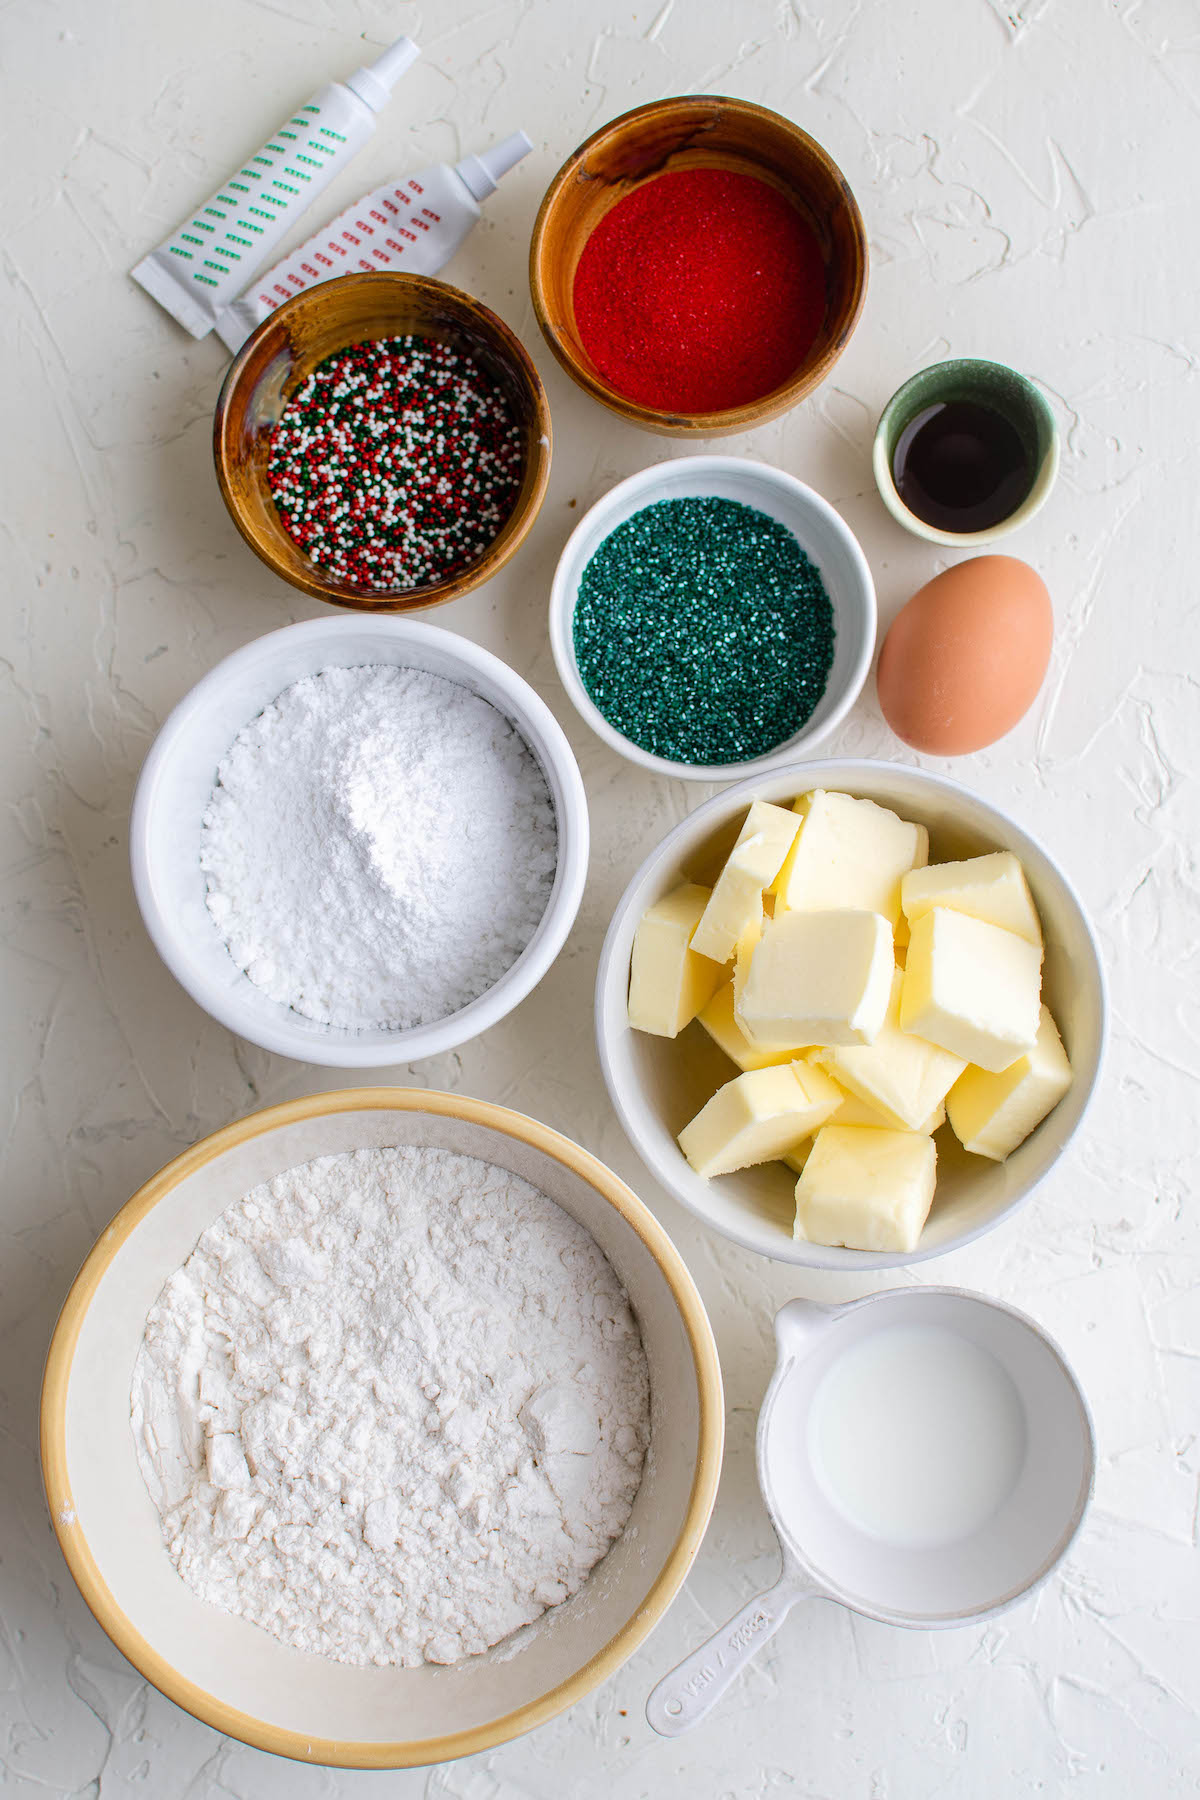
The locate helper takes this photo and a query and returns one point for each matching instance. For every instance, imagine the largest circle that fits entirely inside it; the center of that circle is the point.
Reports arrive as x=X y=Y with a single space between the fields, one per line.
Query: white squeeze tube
x=197 y=272
x=414 y=225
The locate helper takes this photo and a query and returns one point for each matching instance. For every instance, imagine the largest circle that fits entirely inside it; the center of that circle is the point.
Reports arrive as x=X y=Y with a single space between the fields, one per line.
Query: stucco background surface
x=1028 y=177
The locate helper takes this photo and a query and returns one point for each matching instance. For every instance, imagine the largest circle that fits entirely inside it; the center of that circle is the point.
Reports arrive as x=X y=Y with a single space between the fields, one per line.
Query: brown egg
x=964 y=659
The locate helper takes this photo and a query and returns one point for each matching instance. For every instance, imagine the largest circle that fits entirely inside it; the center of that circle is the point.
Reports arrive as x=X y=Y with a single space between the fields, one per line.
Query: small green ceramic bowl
x=988 y=384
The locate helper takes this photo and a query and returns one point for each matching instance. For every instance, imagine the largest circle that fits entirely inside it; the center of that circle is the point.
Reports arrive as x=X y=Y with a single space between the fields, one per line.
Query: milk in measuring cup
x=916 y=1436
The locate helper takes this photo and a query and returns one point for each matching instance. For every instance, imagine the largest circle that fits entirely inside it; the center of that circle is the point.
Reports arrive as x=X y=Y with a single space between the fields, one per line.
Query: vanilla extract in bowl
x=962 y=466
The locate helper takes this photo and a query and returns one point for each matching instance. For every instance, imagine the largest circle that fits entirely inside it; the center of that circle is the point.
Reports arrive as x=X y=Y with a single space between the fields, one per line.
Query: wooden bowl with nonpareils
x=283 y=352
x=669 y=136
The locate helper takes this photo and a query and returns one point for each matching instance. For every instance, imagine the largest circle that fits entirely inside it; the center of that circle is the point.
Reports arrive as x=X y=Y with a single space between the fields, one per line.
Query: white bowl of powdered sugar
x=381 y=1426
x=359 y=842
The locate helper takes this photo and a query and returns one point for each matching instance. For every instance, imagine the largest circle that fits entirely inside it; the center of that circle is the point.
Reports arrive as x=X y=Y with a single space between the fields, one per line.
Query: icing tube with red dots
x=413 y=226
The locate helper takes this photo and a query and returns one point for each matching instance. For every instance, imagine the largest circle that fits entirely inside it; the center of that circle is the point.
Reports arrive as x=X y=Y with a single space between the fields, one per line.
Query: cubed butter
x=854 y=1111
x=752 y=865
x=849 y=853
x=668 y=982
x=866 y=1189
x=756 y=1117
x=743 y=951
x=901 y=1076
x=971 y=988
x=722 y=1027
x=992 y=888
x=992 y=1114
x=818 y=978
x=795 y=1159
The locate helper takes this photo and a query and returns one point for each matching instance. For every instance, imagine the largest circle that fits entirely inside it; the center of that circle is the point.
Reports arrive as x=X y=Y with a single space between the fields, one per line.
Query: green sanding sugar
x=702 y=631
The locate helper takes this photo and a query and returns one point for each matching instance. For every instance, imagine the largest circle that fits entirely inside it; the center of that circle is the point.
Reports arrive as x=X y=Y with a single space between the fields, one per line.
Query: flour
x=379 y=849
x=392 y=1407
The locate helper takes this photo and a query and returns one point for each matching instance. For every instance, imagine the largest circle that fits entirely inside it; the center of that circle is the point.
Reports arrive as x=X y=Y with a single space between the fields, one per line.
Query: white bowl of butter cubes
x=850 y=1014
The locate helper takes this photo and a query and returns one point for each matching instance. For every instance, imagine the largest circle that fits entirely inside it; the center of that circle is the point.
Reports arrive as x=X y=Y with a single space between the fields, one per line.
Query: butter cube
x=722 y=1027
x=796 y=1159
x=971 y=988
x=668 y=982
x=855 y=1111
x=743 y=951
x=992 y=1114
x=850 y=853
x=866 y=1189
x=756 y=1117
x=900 y=1076
x=991 y=887
x=753 y=863
x=818 y=978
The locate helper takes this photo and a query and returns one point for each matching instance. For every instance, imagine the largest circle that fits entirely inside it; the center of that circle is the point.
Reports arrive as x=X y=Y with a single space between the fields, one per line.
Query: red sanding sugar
x=701 y=290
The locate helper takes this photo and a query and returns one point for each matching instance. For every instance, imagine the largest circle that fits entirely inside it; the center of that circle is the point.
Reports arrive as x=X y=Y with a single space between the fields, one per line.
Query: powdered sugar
x=380 y=847
x=392 y=1407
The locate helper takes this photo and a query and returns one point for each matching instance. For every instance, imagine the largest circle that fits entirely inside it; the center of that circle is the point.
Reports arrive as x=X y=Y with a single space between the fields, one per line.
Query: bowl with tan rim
x=285 y=349
x=235 y=1676
x=698 y=131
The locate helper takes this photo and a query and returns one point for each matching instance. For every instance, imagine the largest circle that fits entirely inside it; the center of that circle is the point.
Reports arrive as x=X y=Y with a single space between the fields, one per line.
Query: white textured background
x=1028 y=177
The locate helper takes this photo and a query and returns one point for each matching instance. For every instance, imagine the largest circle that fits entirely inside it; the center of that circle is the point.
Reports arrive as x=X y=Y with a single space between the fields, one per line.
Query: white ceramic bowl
x=657 y=1084
x=177 y=779
x=232 y=1674
x=824 y=537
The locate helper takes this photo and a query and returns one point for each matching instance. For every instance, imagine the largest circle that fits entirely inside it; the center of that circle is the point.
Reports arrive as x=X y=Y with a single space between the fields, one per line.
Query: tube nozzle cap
x=482 y=172
x=374 y=84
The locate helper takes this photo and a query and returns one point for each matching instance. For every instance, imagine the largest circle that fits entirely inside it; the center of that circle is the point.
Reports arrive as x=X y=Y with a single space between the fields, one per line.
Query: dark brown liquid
x=961 y=466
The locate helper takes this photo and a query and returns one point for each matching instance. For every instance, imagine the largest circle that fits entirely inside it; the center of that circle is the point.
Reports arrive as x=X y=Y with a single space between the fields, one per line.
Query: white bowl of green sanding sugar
x=712 y=617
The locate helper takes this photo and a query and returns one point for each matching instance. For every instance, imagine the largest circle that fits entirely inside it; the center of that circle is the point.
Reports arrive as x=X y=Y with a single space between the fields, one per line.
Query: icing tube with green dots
x=207 y=262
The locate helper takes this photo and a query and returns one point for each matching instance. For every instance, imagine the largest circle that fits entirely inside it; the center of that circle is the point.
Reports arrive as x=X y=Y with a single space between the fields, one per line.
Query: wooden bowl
x=283 y=352
x=701 y=132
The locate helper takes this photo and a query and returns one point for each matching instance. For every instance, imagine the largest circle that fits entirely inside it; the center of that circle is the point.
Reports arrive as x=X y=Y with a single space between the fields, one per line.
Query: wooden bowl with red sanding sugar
x=316 y=324
x=698 y=265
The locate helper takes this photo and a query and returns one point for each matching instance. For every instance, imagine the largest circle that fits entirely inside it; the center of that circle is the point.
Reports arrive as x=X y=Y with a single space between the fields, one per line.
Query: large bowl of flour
x=317 y=1684
x=358 y=842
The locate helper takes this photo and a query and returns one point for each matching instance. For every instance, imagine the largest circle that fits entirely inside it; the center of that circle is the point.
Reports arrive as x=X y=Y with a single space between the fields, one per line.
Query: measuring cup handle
x=686 y=1695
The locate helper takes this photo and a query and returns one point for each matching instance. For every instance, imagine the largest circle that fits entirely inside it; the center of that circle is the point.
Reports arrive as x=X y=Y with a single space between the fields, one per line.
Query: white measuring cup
x=920 y=1521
